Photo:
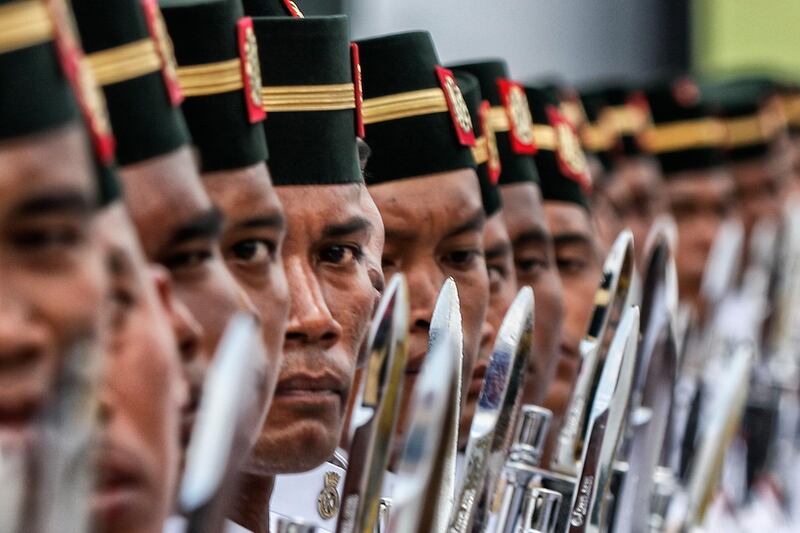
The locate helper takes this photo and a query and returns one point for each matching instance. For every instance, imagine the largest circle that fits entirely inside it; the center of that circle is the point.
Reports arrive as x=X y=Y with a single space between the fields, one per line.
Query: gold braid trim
x=626 y=119
x=480 y=152
x=545 y=137
x=24 y=24
x=125 y=62
x=211 y=78
x=289 y=98
x=498 y=119
x=791 y=107
x=596 y=138
x=685 y=135
x=404 y=105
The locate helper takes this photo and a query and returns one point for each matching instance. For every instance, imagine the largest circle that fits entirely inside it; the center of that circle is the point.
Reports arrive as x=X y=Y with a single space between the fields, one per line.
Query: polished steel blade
x=440 y=493
x=607 y=421
x=222 y=436
x=428 y=409
x=375 y=378
x=387 y=414
x=726 y=413
x=610 y=300
x=722 y=265
x=506 y=367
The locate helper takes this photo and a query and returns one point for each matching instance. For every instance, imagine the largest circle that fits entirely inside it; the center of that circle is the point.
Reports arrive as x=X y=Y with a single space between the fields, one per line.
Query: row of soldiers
x=257 y=277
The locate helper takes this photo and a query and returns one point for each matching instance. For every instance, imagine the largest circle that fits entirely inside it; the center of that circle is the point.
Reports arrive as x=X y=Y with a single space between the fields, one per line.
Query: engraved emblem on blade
x=328 y=499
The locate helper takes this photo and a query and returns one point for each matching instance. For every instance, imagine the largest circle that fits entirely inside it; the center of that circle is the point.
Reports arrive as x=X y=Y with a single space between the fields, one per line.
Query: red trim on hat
x=248 y=54
x=493 y=164
x=459 y=113
x=158 y=32
x=358 y=89
x=520 y=131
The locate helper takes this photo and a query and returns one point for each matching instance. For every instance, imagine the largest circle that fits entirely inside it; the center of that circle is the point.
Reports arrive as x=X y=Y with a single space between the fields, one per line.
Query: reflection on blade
x=388 y=409
x=222 y=435
x=428 y=408
x=69 y=425
x=504 y=370
x=610 y=300
x=725 y=414
x=13 y=464
x=445 y=330
x=723 y=261
x=375 y=378
x=607 y=420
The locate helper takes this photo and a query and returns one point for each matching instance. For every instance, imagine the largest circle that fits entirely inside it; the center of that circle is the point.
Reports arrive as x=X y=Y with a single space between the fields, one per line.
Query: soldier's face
x=760 y=185
x=636 y=193
x=579 y=267
x=534 y=265
x=499 y=258
x=252 y=243
x=332 y=299
x=699 y=202
x=52 y=281
x=434 y=230
x=179 y=229
x=141 y=391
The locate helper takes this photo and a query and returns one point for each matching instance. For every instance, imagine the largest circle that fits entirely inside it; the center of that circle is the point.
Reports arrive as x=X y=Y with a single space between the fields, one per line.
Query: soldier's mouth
x=119 y=487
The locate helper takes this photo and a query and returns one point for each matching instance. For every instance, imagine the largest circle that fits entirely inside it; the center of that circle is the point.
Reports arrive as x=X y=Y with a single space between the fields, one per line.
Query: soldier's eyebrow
x=475 y=222
x=64 y=201
x=352 y=225
x=572 y=238
x=275 y=221
x=534 y=236
x=206 y=225
x=500 y=249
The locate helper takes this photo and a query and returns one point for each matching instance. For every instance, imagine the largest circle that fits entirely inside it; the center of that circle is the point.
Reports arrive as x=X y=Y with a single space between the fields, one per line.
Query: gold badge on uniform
x=512 y=96
x=251 y=70
x=493 y=159
x=459 y=111
x=569 y=153
x=169 y=67
x=328 y=499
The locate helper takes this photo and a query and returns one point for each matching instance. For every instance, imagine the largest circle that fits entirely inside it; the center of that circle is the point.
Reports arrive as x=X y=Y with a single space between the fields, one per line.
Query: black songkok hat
x=562 y=166
x=311 y=94
x=510 y=119
x=485 y=150
x=220 y=79
x=753 y=114
x=272 y=8
x=687 y=134
x=131 y=57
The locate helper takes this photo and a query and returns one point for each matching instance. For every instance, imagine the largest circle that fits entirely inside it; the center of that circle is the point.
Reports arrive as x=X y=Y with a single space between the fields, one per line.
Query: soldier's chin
x=292 y=448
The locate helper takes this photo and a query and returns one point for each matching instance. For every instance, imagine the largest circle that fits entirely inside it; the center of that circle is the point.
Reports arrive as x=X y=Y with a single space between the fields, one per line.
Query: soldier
x=633 y=186
x=498 y=254
x=334 y=231
x=756 y=146
x=52 y=282
x=421 y=174
x=565 y=190
x=520 y=191
x=221 y=81
x=687 y=138
x=178 y=226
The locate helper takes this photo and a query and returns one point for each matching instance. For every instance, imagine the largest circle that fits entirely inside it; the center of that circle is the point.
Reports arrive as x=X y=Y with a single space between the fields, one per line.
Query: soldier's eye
x=252 y=251
x=337 y=254
x=462 y=259
x=188 y=259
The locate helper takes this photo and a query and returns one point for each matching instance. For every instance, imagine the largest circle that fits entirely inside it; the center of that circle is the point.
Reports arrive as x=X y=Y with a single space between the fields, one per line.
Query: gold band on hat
x=685 y=135
x=211 y=78
x=755 y=129
x=791 y=108
x=597 y=138
x=498 y=118
x=24 y=24
x=404 y=105
x=626 y=119
x=291 y=98
x=545 y=137
x=480 y=152
x=125 y=62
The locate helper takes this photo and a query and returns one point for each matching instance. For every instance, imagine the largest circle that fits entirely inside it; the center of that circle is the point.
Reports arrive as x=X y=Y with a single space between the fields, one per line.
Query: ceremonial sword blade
x=428 y=408
x=375 y=378
x=389 y=402
x=504 y=372
x=723 y=261
x=445 y=330
x=607 y=420
x=223 y=433
x=610 y=300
